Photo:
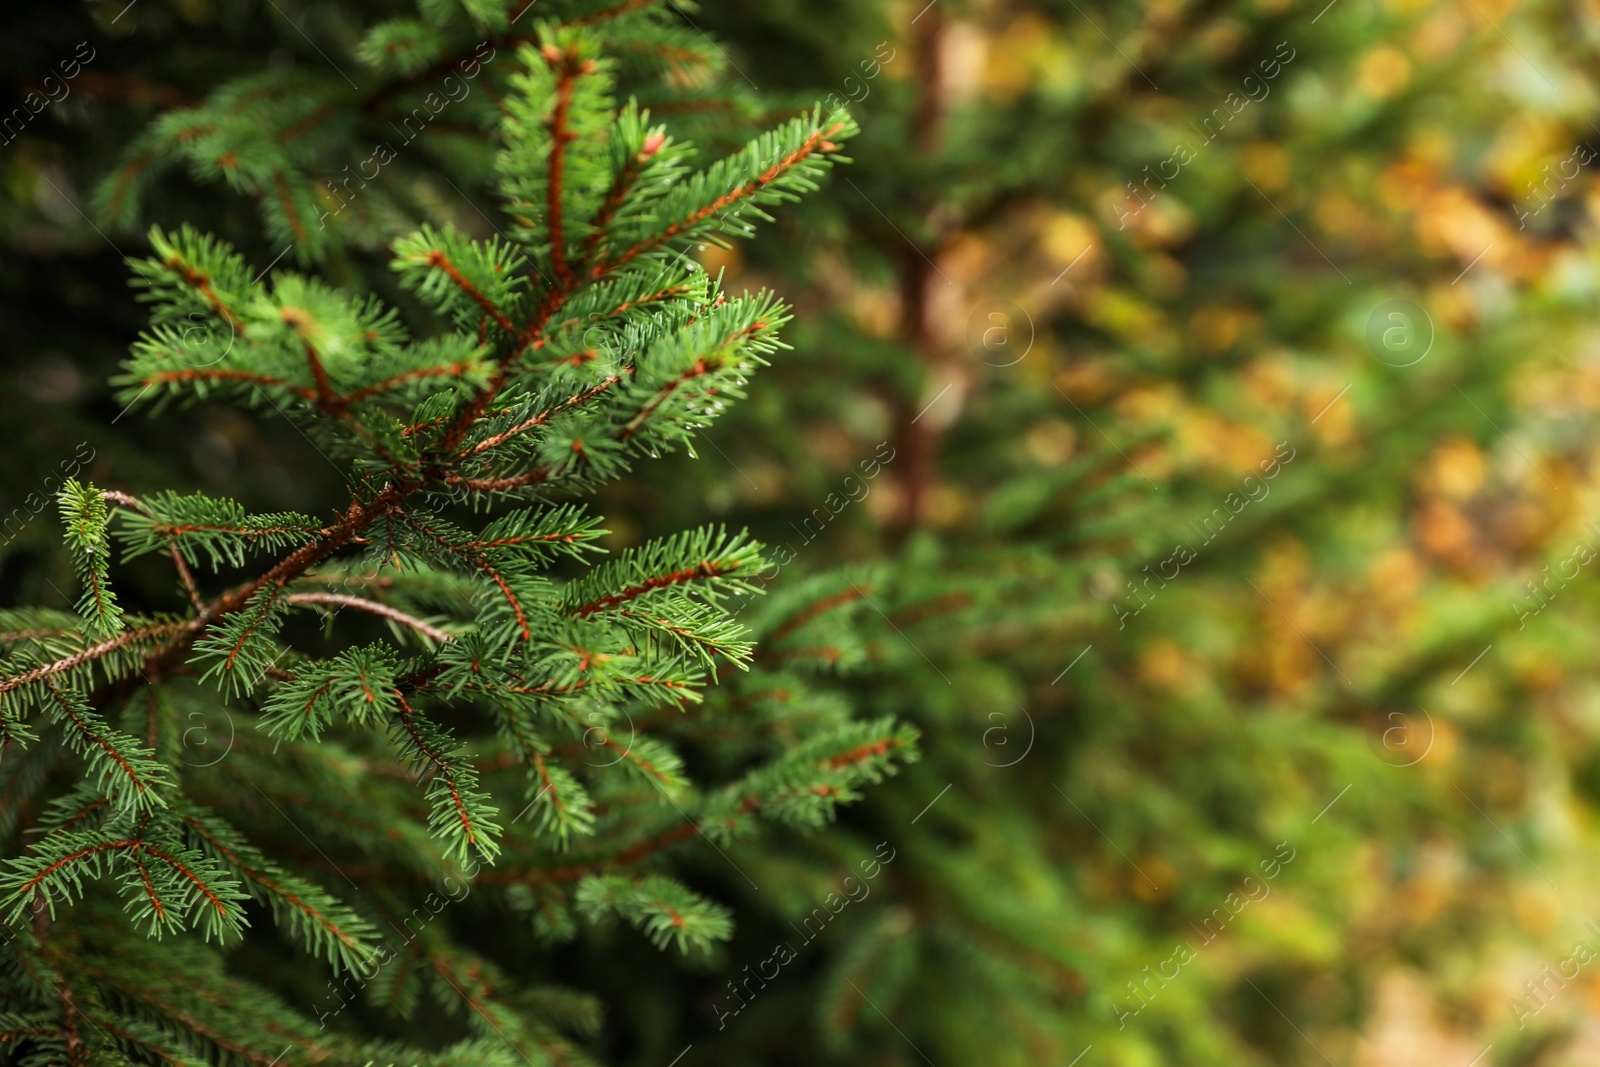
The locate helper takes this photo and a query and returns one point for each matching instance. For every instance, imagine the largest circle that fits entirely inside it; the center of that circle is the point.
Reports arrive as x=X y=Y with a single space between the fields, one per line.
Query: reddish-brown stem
x=69 y=1020
x=541 y=418
x=705 y=569
x=202 y=285
x=436 y=258
x=194 y=879
x=341 y=600
x=619 y=192
x=311 y=121
x=355 y=519
x=292 y=213
x=326 y=397
x=187 y=578
x=567 y=73
x=105 y=846
x=128 y=501
x=94 y=738
x=812 y=611
x=93 y=652
x=453 y=370
x=150 y=890
x=440 y=763
x=142 y=993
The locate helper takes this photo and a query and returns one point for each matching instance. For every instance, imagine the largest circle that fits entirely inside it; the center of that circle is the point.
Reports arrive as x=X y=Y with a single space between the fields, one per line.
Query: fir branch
x=773 y=178
x=459 y=369
x=221 y=374
x=439 y=260
x=664 y=911
x=346 y=935
x=707 y=558
x=84 y=512
x=468 y=813
x=95 y=652
x=125 y=769
x=547 y=639
x=542 y=418
x=222 y=528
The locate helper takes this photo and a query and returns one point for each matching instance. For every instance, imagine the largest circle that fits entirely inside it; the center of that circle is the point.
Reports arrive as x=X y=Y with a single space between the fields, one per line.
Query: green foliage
x=85 y=516
x=661 y=909
x=220 y=528
x=427 y=91
x=1068 y=825
x=532 y=698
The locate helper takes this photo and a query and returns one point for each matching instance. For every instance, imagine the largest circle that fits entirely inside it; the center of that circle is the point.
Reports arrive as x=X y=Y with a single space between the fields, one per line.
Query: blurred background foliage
x=1370 y=669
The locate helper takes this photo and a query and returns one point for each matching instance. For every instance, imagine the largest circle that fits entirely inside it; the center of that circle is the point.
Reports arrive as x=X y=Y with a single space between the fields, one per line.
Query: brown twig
x=394 y=614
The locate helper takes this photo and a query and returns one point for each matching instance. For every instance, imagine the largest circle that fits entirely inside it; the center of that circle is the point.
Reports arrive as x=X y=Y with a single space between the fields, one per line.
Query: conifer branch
x=542 y=418
x=447 y=774
x=214 y=374
x=297 y=226
x=817 y=141
x=184 y=574
x=810 y=612
x=325 y=396
x=212 y=1032
x=545 y=645
x=97 y=738
x=69 y=1019
x=94 y=652
x=201 y=283
x=618 y=193
x=479 y=562
x=438 y=260
x=698 y=572
x=350 y=944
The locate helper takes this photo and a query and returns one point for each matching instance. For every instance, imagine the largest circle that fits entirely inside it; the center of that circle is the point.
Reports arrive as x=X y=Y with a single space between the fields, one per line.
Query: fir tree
x=529 y=696
x=1199 y=326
